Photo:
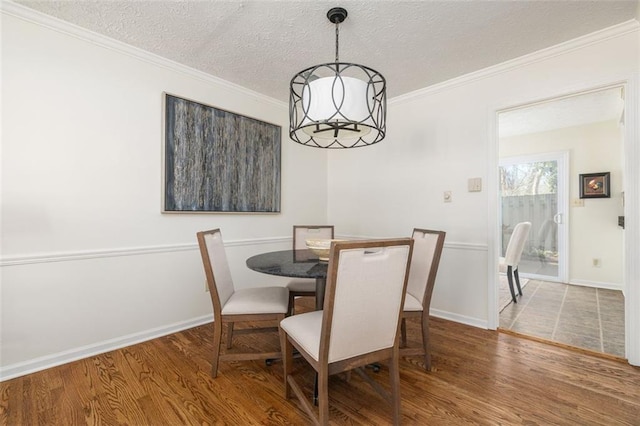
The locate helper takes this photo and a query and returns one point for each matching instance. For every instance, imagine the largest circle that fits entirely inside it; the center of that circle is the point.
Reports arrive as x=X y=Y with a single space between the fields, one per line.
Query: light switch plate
x=475 y=184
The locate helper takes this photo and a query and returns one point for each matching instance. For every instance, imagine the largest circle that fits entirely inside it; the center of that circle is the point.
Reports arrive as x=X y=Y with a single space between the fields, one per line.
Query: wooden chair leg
x=287 y=361
x=510 y=278
x=292 y=304
x=323 y=398
x=217 y=337
x=403 y=333
x=516 y=274
x=229 y=334
x=425 y=341
x=394 y=376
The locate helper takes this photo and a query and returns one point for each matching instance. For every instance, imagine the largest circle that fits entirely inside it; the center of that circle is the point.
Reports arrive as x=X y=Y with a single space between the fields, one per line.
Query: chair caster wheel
x=375 y=367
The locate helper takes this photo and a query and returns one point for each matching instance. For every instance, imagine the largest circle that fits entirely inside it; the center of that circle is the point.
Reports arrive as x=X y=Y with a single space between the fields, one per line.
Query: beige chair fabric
x=509 y=263
x=427 y=250
x=230 y=305
x=305 y=287
x=360 y=322
x=302 y=233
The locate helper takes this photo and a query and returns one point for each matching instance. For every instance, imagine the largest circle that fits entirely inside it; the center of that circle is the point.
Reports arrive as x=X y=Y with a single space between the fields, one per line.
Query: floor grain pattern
x=479 y=377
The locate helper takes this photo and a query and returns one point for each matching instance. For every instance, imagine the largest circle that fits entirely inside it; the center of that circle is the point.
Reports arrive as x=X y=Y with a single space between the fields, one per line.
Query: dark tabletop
x=289 y=263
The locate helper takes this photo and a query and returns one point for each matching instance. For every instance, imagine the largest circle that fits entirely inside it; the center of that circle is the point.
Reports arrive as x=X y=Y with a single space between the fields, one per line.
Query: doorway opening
x=572 y=263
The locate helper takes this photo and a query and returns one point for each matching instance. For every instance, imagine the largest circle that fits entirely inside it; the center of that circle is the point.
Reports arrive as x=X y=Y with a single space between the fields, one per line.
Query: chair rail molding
x=126 y=251
x=452 y=245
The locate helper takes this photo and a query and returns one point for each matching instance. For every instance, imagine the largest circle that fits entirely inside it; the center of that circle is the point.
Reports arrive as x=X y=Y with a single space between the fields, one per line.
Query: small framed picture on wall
x=595 y=185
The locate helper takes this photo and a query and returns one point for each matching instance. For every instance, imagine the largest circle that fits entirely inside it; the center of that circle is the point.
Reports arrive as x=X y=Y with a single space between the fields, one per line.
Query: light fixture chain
x=337 y=38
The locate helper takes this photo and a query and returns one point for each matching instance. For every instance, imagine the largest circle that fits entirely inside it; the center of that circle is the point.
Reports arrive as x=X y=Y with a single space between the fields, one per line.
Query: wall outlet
x=447 y=197
x=577 y=202
x=596 y=262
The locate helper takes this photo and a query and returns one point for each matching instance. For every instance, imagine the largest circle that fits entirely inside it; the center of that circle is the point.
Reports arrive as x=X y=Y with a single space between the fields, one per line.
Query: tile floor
x=586 y=317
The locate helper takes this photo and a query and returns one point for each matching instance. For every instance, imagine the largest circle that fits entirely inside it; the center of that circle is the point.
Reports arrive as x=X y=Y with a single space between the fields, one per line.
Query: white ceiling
x=260 y=45
x=595 y=107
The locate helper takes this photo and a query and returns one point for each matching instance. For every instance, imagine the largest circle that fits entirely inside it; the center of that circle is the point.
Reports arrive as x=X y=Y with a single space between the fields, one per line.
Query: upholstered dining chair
x=509 y=263
x=305 y=287
x=347 y=335
x=231 y=305
x=427 y=249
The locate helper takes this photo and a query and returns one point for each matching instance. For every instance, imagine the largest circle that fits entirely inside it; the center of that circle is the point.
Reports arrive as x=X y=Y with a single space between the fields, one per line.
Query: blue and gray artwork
x=217 y=161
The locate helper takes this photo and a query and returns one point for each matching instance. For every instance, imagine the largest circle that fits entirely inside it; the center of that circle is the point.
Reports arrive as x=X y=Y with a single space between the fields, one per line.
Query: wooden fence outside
x=537 y=209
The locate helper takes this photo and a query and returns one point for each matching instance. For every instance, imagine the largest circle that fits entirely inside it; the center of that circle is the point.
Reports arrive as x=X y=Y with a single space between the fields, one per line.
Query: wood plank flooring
x=479 y=377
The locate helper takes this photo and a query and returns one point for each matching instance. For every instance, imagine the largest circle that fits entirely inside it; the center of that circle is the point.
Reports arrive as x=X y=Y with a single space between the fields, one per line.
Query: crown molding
x=30 y=15
x=581 y=42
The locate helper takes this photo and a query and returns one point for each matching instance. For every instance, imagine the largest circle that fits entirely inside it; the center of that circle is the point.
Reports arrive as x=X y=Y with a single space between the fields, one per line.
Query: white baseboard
x=462 y=319
x=596 y=284
x=38 y=364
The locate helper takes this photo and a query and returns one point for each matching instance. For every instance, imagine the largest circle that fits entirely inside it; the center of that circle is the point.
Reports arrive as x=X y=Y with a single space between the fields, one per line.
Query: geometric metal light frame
x=353 y=97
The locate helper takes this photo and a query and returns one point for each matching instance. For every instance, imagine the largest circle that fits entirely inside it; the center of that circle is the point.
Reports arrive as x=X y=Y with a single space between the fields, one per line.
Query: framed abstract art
x=218 y=161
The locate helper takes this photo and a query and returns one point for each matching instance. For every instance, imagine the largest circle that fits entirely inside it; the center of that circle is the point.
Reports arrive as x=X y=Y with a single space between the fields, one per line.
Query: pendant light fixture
x=337 y=104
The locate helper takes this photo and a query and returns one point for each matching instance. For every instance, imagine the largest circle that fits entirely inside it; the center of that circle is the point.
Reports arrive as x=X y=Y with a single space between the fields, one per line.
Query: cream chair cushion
x=502 y=266
x=516 y=245
x=220 y=266
x=305 y=330
x=257 y=300
x=424 y=246
x=412 y=304
x=302 y=285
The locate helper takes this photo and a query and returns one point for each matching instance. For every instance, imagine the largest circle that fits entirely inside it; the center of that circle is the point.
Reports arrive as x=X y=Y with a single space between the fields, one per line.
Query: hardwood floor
x=478 y=377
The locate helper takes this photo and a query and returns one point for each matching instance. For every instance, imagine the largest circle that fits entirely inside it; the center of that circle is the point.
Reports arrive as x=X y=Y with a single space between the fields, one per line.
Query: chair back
x=366 y=284
x=516 y=243
x=427 y=250
x=216 y=268
x=303 y=233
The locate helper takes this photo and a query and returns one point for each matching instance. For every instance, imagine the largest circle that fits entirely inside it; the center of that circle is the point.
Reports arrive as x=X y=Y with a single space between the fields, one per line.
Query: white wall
x=88 y=260
x=89 y=263
x=593 y=227
x=441 y=136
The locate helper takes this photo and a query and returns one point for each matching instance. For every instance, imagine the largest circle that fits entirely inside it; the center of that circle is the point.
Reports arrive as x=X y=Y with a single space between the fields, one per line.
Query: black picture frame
x=595 y=185
x=218 y=161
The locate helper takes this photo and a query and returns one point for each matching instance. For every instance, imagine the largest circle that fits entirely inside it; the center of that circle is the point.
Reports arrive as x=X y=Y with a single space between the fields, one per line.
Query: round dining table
x=293 y=264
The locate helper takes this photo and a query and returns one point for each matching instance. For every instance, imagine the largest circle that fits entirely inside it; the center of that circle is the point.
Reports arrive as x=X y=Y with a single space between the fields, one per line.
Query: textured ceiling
x=595 y=107
x=260 y=45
